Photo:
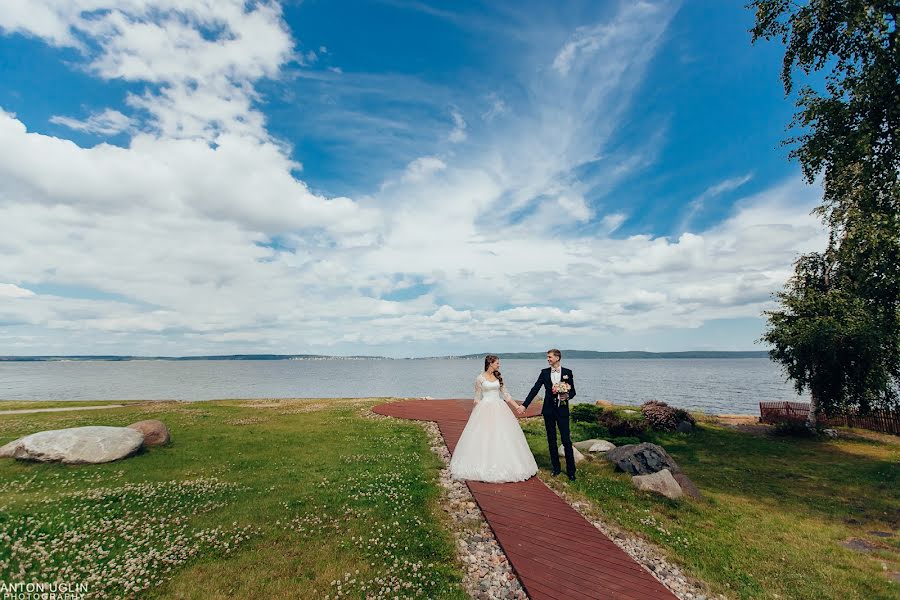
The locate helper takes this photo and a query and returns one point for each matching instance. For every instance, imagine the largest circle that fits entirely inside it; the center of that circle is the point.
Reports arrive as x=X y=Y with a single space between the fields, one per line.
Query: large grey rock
x=642 y=459
x=661 y=482
x=578 y=455
x=155 y=432
x=78 y=445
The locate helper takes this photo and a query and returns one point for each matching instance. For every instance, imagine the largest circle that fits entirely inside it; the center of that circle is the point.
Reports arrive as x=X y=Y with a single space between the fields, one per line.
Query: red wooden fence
x=780 y=412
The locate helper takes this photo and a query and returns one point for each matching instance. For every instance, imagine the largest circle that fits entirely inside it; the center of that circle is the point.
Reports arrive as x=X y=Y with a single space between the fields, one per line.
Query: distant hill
x=631 y=354
x=589 y=354
x=179 y=358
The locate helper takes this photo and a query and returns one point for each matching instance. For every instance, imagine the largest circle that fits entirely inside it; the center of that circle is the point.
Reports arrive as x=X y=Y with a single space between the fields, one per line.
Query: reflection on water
x=710 y=385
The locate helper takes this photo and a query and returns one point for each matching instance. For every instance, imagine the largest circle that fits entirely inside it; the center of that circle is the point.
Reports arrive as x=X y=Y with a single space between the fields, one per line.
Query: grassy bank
x=299 y=499
x=776 y=514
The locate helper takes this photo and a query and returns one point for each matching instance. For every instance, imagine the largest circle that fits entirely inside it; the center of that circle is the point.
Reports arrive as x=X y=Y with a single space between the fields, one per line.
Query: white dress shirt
x=556 y=376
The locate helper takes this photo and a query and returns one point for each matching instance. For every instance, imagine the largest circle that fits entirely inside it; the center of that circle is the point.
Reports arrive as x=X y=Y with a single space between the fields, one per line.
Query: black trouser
x=551 y=422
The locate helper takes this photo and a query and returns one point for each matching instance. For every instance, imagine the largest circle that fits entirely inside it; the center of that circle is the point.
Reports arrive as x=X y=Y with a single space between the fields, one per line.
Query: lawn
x=300 y=499
x=776 y=514
x=314 y=499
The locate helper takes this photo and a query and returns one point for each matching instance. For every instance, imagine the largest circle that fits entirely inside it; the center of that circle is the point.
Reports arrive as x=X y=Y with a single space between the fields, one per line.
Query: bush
x=619 y=427
x=585 y=413
x=663 y=417
x=683 y=415
x=794 y=429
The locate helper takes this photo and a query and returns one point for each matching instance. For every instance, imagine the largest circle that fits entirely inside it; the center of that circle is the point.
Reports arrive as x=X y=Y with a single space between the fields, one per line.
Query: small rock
x=155 y=432
x=859 y=545
x=830 y=433
x=685 y=427
x=882 y=534
x=603 y=403
x=585 y=445
x=687 y=486
x=578 y=455
x=602 y=446
x=661 y=482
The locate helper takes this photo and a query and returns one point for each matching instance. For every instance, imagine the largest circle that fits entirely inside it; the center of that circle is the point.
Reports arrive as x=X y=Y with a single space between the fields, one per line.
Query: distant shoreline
x=570 y=354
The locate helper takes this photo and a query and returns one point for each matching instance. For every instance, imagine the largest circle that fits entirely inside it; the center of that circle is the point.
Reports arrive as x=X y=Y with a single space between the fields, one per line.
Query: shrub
x=663 y=417
x=683 y=415
x=585 y=413
x=619 y=427
x=794 y=429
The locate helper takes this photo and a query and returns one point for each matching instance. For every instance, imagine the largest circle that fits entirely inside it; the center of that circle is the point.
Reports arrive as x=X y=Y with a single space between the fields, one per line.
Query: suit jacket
x=550 y=401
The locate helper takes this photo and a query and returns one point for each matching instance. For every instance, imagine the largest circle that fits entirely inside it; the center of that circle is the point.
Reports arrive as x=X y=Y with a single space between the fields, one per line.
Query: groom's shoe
x=571 y=477
x=554 y=473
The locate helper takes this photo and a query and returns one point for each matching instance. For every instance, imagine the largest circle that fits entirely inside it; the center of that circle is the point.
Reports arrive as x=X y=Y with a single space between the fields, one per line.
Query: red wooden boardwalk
x=557 y=553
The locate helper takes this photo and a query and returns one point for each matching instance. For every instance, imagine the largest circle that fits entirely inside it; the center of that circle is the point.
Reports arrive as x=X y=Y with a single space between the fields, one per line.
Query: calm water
x=710 y=385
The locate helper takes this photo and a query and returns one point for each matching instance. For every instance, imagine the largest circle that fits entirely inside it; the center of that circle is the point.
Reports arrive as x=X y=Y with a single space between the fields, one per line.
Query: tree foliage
x=836 y=331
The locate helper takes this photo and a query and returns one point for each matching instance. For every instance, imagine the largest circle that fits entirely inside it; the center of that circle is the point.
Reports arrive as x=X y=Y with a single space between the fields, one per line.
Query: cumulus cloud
x=197 y=236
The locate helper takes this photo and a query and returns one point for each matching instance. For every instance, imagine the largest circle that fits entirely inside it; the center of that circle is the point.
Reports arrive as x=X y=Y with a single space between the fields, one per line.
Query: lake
x=711 y=385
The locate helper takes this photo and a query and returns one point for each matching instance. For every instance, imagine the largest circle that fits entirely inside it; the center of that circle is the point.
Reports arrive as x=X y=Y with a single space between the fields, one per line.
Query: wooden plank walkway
x=556 y=553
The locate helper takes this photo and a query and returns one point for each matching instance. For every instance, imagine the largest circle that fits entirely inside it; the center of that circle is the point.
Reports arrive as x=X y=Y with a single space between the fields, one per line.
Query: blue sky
x=398 y=177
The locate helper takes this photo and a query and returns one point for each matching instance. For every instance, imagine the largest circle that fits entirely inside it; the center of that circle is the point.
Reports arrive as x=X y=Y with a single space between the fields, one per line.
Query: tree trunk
x=813 y=409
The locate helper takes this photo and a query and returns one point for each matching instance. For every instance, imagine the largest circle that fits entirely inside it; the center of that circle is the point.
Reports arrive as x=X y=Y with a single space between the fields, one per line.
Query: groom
x=556 y=409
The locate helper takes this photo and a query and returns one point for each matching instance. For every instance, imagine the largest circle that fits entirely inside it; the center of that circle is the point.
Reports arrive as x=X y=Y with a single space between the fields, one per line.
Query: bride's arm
x=478 y=389
x=509 y=401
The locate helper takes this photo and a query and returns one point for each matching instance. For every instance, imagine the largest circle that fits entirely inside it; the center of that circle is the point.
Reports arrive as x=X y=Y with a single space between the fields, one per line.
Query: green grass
x=297 y=500
x=775 y=512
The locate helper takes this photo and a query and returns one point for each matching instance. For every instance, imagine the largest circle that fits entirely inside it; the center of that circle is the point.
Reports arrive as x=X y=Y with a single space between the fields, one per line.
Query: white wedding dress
x=492 y=446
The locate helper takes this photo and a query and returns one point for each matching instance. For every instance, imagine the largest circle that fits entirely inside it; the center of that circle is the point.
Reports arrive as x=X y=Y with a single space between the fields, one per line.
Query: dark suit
x=555 y=415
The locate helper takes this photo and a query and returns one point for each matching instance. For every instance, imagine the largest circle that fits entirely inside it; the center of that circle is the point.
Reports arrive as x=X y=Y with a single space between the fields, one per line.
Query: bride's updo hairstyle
x=488 y=361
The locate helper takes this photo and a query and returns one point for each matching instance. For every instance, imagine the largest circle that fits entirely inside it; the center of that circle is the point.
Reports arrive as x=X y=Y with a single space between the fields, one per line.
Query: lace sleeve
x=478 y=389
x=505 y=394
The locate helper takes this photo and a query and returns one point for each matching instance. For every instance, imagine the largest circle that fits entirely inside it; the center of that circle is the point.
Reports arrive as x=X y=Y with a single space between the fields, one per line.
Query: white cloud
x=422 y=167
x=459 y=127
x=108 y=122
x=714 y=191
x=8 y=290
x=209 y=243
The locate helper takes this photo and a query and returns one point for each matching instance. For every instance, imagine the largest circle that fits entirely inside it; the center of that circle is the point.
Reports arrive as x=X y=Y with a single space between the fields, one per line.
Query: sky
x=396 y=177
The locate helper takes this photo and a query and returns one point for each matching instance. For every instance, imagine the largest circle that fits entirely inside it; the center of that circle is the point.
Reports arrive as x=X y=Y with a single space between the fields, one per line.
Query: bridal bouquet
x=562 y=391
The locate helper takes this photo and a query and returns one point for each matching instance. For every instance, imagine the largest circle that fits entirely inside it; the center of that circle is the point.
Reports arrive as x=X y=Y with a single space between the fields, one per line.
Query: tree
x=836 y=330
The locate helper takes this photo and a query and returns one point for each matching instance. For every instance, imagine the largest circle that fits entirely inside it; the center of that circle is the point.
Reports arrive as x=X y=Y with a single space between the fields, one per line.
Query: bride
x=492 y=446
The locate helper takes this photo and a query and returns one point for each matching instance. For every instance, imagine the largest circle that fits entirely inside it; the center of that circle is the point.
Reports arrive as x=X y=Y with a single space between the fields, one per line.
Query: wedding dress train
x=492 y=446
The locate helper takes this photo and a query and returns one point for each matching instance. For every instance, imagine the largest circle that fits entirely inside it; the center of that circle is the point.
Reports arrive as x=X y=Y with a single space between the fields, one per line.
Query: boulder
x=155 y=432
x=603 y=403
x=661 y=482
x=602 y=446
x=687 y=486
x=585 y=445
x=642 y=459
x=685 y=427
x=578 y=455
x=78 y=445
